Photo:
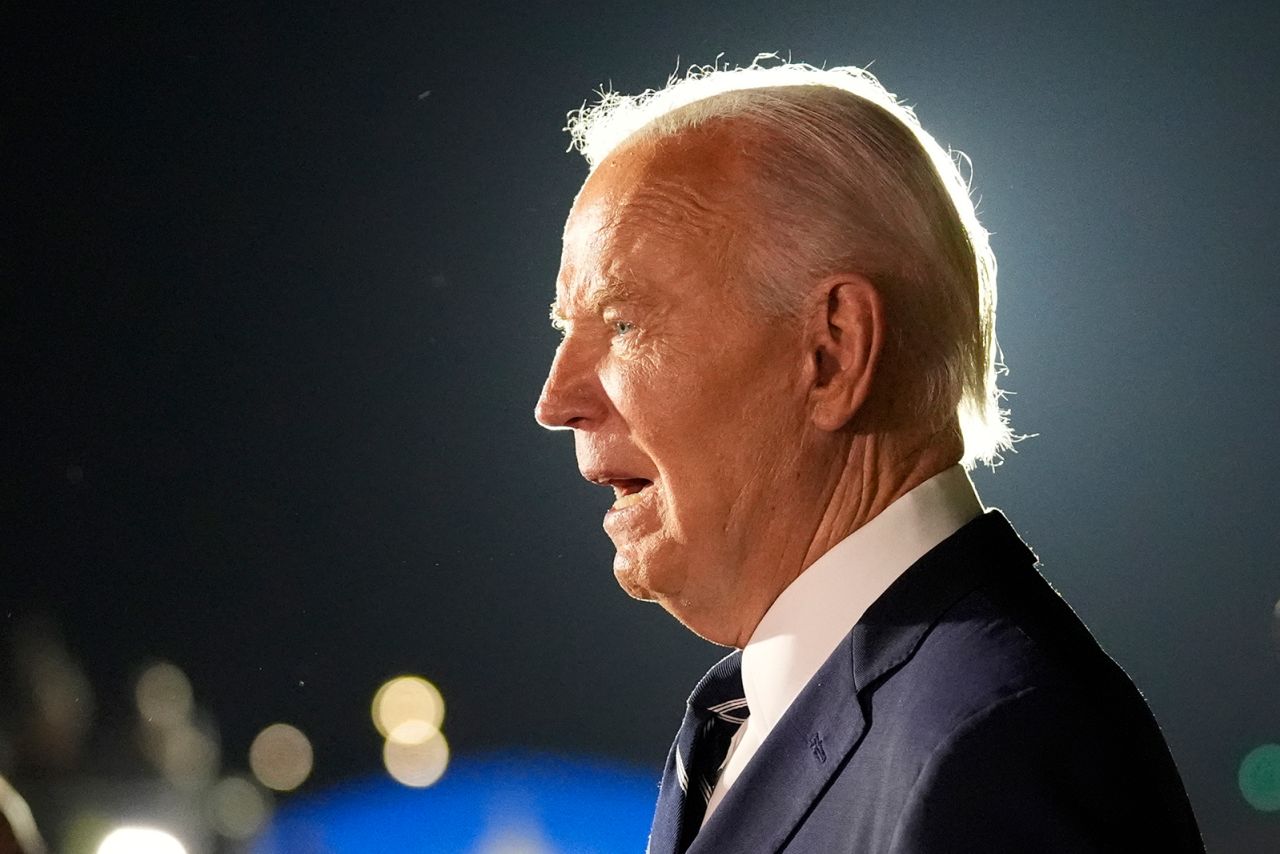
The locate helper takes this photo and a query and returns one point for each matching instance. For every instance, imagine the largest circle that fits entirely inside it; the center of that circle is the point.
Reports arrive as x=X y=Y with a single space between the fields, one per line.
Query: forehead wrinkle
x=670 y=211
x=666 y=200
x=611 y=290
x=671 y=208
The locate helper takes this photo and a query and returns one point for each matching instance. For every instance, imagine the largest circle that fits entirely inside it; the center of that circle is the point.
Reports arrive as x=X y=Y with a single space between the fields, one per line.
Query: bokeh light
x=522 y=837
x=281 y=757
x=417 y=764
x=164 y=695
x=22 y=826
x=58 y=712
x=140 y=840
x=1260 y=777
x=408 y=700
x=237 y=808
x=188 y=757
x=413 y=732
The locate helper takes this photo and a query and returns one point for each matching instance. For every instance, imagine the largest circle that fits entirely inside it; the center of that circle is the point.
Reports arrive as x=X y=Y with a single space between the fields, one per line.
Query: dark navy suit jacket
x=969 y=710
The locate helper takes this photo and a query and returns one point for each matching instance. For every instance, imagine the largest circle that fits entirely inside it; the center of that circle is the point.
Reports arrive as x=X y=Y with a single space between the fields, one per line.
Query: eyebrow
x=611 y=292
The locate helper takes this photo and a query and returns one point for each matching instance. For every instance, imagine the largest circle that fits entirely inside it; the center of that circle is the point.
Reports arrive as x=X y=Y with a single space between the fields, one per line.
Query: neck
x=861 y=476
x=878 y=471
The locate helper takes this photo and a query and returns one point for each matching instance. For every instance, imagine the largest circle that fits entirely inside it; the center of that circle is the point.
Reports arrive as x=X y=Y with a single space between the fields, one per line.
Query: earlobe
x=847 y=334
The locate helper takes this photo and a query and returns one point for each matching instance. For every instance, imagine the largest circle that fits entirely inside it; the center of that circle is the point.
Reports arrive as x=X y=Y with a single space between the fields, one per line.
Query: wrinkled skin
x=668 y=374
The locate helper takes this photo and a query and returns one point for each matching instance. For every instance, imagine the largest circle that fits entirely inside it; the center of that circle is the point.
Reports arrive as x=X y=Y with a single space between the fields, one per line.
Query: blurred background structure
x=274 y=281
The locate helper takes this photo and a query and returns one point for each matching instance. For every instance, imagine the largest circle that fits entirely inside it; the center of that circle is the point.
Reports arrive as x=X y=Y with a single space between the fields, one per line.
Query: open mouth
x=628 y=491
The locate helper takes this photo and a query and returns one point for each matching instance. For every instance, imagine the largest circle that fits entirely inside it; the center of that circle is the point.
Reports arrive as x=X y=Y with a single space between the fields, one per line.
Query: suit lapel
x=791 y=768
x=896 y=624
x=795 y=764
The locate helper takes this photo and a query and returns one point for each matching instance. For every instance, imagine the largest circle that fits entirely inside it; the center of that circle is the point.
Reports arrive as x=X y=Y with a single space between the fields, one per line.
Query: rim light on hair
x=939 y=249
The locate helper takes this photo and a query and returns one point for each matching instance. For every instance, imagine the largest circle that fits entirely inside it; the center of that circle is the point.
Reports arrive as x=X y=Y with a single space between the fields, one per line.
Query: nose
x=572 y=397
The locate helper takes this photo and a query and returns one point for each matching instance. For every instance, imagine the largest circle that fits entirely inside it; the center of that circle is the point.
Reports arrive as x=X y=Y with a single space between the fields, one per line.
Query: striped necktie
x=714 y=712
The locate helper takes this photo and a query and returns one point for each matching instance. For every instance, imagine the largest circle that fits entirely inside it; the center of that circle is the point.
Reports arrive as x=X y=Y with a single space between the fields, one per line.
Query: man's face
x=681 y=396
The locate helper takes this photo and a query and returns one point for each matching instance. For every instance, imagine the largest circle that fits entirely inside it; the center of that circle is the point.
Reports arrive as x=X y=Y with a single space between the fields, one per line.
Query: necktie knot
x=720 y=692
x=717 y=708
x=732 y=711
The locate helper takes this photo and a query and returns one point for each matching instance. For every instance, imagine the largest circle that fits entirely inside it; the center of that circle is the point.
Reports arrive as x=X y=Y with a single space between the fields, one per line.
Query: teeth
x=626 y=500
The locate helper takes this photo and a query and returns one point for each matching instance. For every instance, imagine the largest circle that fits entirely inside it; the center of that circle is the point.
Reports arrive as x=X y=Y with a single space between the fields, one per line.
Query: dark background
x=275 y=280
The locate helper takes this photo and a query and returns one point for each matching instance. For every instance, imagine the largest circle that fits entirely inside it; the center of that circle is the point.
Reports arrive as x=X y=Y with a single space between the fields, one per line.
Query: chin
x=706 y=620
x=632 y=579
x=710 y=627
x=647 y=579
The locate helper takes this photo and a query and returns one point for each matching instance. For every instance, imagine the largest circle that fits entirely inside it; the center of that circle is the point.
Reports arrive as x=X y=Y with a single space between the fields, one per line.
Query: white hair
x=849 y=180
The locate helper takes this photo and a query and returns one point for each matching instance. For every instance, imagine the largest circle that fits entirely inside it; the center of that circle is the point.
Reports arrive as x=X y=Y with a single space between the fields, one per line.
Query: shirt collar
x=808 y=619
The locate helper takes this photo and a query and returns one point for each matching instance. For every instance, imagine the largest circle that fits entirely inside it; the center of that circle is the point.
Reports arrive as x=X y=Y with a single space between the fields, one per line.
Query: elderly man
x=778 y=317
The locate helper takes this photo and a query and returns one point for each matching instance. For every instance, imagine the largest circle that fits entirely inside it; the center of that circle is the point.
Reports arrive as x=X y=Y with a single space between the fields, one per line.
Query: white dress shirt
x=808 y=620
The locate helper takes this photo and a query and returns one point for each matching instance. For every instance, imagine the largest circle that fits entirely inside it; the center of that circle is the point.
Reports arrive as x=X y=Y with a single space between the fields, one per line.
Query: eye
x=622 y=327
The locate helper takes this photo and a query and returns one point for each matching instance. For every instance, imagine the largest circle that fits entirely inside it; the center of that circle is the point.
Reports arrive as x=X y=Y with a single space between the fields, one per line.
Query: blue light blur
x=532 y=803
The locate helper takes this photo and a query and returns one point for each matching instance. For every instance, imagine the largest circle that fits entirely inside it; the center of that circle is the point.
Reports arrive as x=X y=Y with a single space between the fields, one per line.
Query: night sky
x=274 y=284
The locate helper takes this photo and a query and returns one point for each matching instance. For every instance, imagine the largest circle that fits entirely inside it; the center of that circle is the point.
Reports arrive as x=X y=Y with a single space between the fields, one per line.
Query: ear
x=845 y=336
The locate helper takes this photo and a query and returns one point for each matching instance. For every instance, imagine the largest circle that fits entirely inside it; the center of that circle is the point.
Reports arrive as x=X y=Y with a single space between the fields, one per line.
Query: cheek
x=706 y=422
x=650 y=394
